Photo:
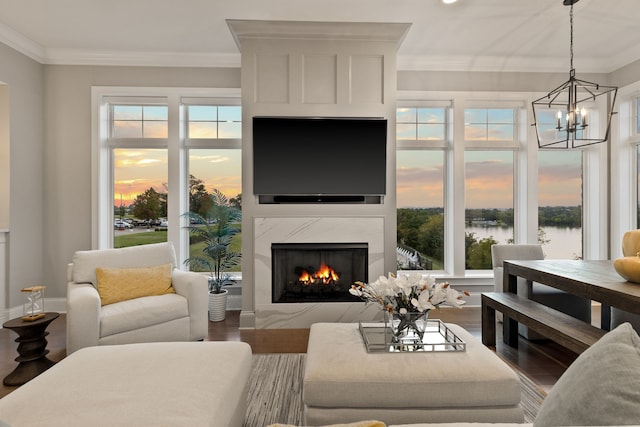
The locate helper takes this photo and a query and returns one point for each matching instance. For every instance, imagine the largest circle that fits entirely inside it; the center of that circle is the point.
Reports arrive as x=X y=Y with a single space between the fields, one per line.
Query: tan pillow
x=356 y=424
x=121 y=284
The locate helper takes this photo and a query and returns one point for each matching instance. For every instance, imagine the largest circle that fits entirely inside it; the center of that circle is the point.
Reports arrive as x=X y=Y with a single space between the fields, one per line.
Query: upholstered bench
x=344 y=383
x=152 y=384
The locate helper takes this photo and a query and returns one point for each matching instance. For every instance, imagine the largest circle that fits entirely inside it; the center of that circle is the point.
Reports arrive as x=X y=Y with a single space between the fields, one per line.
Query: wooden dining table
x=594 y=280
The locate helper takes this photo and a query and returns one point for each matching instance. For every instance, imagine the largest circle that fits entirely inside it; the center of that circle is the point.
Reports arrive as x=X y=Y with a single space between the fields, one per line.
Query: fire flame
x=325 y=275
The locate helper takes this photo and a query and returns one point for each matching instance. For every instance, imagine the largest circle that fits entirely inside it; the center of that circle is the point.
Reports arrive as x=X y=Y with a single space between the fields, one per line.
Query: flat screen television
x=319 y=156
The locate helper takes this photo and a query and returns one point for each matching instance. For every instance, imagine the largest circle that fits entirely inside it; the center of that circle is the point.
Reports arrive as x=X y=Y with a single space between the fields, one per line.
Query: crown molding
x=22 y=44
x=141 y=58
x=520 y=64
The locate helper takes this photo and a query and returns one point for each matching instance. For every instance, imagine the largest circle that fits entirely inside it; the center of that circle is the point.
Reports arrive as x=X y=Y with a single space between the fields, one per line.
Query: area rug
x=275 y=391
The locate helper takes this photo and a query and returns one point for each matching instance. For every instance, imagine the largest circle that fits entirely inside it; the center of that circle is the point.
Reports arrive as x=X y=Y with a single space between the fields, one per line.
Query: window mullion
x=176 y=172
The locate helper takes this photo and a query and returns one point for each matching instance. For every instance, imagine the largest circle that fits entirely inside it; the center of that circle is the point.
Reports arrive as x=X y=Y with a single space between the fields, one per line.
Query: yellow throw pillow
x=121 y=284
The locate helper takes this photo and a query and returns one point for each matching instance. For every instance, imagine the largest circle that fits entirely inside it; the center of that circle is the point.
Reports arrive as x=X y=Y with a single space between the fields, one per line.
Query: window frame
x=176 y=144
x=525 y=180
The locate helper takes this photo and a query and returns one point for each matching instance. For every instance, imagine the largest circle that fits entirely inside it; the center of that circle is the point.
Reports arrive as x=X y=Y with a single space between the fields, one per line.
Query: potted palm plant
x=215 y=230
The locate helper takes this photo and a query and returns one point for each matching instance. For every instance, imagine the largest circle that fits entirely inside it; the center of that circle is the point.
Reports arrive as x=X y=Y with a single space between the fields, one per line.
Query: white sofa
x=178 y=384
x=179 y=316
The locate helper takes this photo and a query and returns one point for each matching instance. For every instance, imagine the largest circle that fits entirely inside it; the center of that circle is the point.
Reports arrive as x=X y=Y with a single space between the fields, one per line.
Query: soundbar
x=321 y=199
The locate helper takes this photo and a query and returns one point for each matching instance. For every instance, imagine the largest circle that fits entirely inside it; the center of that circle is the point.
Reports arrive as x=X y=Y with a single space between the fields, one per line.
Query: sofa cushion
x=121 y=284
x=86 y=262
x=142 y=312
x=600 y=387
x=154 y=384
x=371 y=423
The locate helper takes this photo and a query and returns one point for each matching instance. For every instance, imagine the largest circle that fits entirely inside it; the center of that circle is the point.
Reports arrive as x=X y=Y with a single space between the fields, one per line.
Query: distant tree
x=236 y=202
x=200 y=201
x=431 y=237
x=148 y=205
x=480 y=254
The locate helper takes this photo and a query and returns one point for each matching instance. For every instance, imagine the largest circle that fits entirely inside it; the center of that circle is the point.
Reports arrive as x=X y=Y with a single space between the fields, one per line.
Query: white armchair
x=179 y=316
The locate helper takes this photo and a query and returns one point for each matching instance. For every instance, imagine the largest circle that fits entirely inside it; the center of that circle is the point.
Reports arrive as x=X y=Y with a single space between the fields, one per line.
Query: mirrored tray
x=437 y=337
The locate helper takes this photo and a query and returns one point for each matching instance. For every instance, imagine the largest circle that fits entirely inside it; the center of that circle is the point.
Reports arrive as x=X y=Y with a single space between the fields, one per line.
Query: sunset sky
x=136 y=170
x=488 y=180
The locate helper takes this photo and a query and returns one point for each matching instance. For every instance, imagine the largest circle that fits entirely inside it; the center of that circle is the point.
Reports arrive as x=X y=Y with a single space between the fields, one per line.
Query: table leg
x=605 y=317
x=488 y=325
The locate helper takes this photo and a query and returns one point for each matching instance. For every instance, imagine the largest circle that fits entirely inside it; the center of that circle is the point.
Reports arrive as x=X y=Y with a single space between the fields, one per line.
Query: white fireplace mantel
x=368 y=230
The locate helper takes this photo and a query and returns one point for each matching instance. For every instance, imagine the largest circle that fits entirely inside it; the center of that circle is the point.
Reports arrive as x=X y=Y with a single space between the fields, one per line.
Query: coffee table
x=32 y=350
x=344 y=383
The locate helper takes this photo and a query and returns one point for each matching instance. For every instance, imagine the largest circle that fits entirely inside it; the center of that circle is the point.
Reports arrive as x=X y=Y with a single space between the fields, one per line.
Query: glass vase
x=409 y=326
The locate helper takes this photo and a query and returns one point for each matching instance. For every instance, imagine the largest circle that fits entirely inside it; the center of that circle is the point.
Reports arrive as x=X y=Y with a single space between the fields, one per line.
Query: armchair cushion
x=139 y=313
x=86 y=262
x=122 y=284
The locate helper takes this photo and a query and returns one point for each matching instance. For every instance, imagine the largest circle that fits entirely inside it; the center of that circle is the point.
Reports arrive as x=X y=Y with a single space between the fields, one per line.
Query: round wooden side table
x=32 y=348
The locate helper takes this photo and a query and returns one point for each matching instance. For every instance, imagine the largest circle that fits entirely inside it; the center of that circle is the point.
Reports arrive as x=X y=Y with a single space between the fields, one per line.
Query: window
x=488 y=204
x=420 y=160
x=421 y=123
x=420 y=201
x=140 y=196
x=489 y=124
x=214 y=122
x=138 y=141
x=560 y=203
x=139 y=121
x=158 y=155
x=489 y=143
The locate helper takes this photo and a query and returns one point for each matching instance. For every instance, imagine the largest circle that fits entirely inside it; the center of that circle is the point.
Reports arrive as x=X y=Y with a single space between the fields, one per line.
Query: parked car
x=164 y=223
x=121 y=225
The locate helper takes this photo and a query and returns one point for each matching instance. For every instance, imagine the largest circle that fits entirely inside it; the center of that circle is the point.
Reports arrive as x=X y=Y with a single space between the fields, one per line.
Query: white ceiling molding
x=520 y=64
x=22 y=44
x=141 y=59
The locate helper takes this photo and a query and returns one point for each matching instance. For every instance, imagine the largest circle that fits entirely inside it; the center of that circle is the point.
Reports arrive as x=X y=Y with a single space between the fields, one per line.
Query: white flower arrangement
x=408 y=293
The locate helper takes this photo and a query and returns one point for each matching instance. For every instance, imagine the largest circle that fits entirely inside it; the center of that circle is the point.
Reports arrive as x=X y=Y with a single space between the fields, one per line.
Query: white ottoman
x=344 y=383
x=153 y=384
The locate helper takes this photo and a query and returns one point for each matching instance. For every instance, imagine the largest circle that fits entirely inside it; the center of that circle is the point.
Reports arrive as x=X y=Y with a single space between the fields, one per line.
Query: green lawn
x=136 y=239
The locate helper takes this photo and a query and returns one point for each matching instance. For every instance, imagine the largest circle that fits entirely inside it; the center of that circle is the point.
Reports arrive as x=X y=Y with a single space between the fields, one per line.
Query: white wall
x=24 y=79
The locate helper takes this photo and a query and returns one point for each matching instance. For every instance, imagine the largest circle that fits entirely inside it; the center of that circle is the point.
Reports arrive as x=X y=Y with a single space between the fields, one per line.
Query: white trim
x=514 y=64
x=102 y=163
x=22 y=44
x=140 y=58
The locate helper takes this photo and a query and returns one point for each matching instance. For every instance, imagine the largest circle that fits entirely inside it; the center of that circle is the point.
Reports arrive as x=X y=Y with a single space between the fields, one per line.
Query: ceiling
x=480 y=35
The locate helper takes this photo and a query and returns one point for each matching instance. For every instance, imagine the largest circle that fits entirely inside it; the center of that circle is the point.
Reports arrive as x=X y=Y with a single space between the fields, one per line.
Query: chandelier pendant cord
x=571 y=38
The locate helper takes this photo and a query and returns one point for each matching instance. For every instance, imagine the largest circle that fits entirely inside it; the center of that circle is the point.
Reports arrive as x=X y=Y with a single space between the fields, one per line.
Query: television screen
x=297 y=156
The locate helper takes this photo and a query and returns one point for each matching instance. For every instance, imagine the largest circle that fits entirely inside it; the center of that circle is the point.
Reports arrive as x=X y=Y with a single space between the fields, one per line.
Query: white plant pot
x=218 y=306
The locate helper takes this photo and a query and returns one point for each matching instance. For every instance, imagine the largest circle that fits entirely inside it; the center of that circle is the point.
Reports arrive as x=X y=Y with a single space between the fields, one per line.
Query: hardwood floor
x=542 y=361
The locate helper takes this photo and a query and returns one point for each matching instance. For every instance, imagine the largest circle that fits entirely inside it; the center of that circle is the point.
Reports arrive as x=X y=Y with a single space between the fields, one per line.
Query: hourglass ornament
x=33 y=303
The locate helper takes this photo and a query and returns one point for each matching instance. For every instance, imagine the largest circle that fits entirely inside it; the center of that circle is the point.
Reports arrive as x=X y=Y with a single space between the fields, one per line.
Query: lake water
x=564 y=242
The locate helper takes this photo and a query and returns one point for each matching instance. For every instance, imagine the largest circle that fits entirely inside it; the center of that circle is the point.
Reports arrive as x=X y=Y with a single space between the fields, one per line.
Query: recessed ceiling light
x=449 y=1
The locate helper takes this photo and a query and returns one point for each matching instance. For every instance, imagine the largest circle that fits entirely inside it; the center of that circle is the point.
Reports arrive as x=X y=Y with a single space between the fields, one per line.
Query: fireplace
x=317 y=272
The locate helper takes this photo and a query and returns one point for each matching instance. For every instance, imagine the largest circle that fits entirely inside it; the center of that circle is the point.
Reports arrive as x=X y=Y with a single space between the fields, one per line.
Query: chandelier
x=566 y=116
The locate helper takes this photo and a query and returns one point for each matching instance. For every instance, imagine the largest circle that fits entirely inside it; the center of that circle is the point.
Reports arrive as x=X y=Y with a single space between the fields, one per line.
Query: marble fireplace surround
x=268 y=315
